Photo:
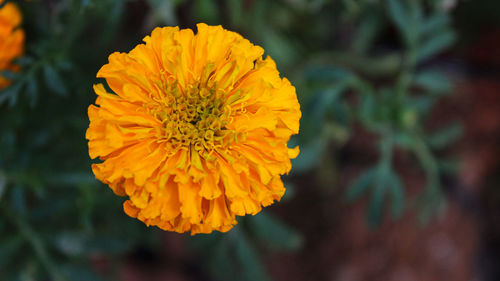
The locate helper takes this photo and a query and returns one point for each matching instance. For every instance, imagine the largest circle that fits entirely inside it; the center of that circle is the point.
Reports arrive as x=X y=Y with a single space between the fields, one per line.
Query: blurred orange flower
x=197 y=131
x=11 y=38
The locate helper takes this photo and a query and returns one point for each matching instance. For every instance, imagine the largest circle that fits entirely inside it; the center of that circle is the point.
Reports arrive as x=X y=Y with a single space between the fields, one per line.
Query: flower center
x=195 y=118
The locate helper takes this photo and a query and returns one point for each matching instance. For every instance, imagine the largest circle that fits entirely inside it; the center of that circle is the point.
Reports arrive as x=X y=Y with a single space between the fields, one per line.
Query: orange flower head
x=197 y=130
x=11 y=38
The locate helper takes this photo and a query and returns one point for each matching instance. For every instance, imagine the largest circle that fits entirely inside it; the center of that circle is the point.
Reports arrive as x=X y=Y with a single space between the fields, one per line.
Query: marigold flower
x=11 y=39
x=197 y=131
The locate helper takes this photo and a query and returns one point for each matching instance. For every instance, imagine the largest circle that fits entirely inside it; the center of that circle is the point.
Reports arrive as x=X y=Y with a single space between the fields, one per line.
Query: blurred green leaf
x=375 y=205
x=423 y=104
x=10 y=94
x=222 y=265
x=403 y=139
x=54 y=81
x=397 y=193
x=435 y=44
x=32 y=90
x=368 y=109
x=274 y=233
x=445 y=137
x=17 y=199
x=231 y=256
x=366 y=33
x=436 y=22
x=309 y=155
x=249 y=261
x=24 y=61
x=361 y=185
x=7 y=74
x=400 y=16
x=433 y=81
x=323 y=102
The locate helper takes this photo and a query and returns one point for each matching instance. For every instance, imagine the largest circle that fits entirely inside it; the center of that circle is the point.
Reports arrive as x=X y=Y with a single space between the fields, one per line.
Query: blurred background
x=397 y=179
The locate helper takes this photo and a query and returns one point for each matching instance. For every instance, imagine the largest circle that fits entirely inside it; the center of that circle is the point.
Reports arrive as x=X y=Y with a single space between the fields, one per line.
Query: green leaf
x=32 y=90
x=384 y=177
x=433 y=81
x=249 y=261
x=397 y=193
x=325 y=100
x=273 y=232
x=24 y=61
x=423 y=104
x=221 y=264
x=7 y=74
x=376 y=204
x=54 y=81
x=403 y=139
x=366 y=33
x=445 y=137
x=368 y=109
x=10 y=93
x=435 y=45
x=399 y=15
x=360 y=185
x=310 y=155
x=17 y=199
x=375 y=207
x=438 y=21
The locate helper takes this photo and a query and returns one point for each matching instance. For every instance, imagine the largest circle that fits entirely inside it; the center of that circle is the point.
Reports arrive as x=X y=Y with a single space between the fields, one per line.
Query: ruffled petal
x=195 y=132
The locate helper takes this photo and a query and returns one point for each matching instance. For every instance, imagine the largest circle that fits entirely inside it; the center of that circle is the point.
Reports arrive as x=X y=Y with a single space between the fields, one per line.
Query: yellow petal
x=293 y=152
